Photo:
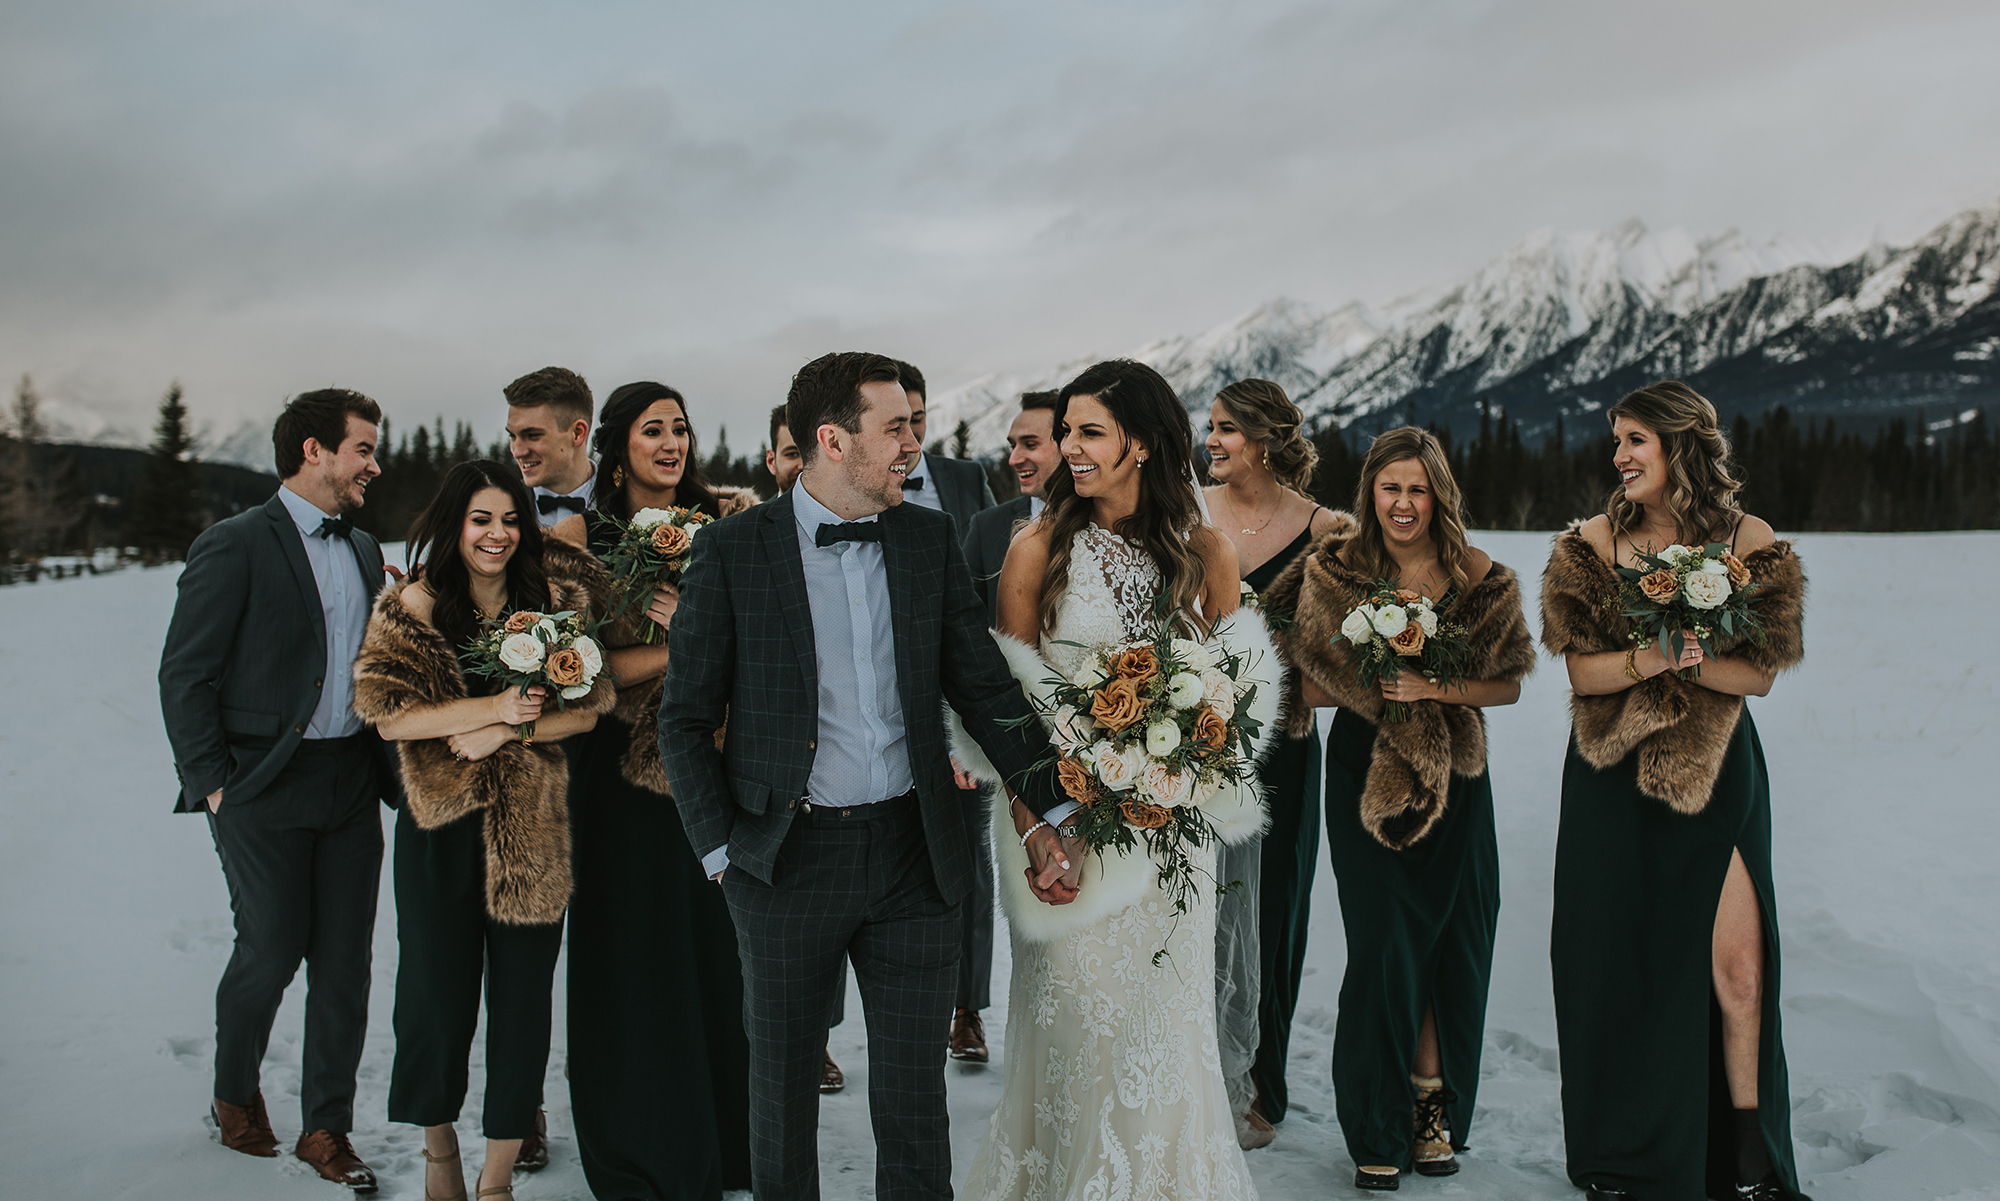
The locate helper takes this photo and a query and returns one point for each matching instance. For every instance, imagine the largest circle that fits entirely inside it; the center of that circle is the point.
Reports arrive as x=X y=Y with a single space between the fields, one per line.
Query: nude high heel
x=452 y=1158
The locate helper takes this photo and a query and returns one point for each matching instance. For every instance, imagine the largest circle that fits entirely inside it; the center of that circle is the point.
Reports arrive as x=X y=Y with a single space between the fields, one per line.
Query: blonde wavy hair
x=1701 y=492
x=1266 y=415
x=1368 y=551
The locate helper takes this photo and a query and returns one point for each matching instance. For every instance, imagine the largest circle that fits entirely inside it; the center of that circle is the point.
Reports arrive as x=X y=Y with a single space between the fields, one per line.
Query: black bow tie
x=335 y=527
x=914 y=483
x=548 y=503
x=847 y=531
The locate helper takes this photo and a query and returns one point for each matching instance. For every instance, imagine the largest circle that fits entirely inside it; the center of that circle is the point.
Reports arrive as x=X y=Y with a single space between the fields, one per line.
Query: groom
x=830 y=627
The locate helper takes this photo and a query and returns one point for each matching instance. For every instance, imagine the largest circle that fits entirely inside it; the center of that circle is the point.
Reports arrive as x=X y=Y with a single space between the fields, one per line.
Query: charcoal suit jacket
x=742 y=649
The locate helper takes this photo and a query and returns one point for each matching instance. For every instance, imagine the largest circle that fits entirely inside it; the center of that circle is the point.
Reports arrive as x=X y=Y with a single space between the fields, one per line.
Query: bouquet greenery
x=1684 y=590
x=652 y=550
x=1395 y=624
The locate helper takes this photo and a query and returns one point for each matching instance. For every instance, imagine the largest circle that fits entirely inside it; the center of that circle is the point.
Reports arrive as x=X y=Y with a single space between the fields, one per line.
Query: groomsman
x=953 y=486
x=1032 y=453
x=548 y=429
x=782 y=459
x=257 y=692
x=829 y=627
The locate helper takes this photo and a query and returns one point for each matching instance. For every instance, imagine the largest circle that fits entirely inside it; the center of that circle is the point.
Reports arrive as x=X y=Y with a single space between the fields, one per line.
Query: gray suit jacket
x=742 y=649
x=962 y=486
x=245 y=657
x=986 y=543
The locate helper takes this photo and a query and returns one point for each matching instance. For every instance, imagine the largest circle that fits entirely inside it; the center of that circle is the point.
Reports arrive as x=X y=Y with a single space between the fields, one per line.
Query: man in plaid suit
x=829 y=628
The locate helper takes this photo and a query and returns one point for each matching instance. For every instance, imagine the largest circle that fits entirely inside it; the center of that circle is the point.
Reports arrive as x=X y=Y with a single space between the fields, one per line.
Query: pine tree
x=33 y=479
x=169 y=509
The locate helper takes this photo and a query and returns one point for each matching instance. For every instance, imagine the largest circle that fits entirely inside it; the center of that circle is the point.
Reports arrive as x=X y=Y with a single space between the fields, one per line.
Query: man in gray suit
x=954 y=486
x=257 y=689
x=830 y=627
x=1033 y=452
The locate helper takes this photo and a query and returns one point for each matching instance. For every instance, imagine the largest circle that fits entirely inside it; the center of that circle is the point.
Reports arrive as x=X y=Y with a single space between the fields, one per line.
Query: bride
x=1113 y=1085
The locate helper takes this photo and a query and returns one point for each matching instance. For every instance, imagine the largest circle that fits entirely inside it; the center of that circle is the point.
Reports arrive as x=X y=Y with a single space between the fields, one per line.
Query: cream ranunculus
x=1678 y=554
x=1090 y=675
x=521 y=652
x=1197 y=656
x=1427 y=619
x=1072 y=726
x=593 y=657
x=1184 y=690
x=1714 y=567
x=1115 y=769
x=1389 y=620
x=1219 y=691
x=1705 y=591
x=574 y=691
x=1161 y=738
x=1357 y=628
x=1167 y=786
x=646 y=519
x=546 y=627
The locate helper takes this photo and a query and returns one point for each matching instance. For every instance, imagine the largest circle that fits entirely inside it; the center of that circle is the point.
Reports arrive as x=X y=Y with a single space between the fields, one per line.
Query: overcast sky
x=424 y=200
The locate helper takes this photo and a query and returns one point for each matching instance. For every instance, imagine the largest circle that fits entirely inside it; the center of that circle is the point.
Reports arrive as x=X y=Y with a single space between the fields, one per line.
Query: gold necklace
x=1234 y=511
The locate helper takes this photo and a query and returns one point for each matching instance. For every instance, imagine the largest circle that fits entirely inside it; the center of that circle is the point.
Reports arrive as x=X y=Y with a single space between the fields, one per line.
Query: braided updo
x=1266 y=415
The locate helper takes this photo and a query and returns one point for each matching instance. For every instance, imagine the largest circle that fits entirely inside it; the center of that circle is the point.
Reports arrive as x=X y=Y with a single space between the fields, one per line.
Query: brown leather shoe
x=832 y=1080
x=968 y=1037
x=534 y=1153
x=246 y=1128
x=333 y=1157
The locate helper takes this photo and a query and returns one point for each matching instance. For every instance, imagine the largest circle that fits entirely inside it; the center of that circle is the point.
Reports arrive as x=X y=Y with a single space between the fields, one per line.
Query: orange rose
x=520 y=623
x=1209 y=727
x=1408 y=596
x=564 y=667
x=671 y=540
x=1117 y=705
x=1409 y=642
x=1138 y=664
x=1076 y=781
x=1739 y=575
x=1660 y=586
x=1144 y=814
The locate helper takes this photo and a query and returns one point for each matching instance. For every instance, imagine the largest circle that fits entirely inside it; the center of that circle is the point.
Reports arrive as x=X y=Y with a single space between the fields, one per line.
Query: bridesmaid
x=1263 y=466
x=658 y=1062
x=1665 y=946
x=482 y=843
x=1409 y=809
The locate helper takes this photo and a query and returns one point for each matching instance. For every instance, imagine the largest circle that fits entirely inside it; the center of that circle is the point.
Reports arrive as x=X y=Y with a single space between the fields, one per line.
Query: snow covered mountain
x=1564 y=323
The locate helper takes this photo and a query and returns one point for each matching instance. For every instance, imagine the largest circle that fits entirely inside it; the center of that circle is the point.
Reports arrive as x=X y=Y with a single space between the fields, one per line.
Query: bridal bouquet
x=1684 y=590
x=653 y=550
x=1145 y=734
x=554 y=650
x=1395 y=624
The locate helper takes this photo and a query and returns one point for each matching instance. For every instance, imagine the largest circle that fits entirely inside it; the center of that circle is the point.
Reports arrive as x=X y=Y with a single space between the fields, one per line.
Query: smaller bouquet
x=1395 y=624
x=653 y=550
x=554 y=650
x=1683 y=591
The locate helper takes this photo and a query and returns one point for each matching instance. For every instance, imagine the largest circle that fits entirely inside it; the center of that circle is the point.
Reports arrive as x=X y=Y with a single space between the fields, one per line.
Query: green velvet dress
x=1420 y=925
x=659 y=1064
x=1646 y=1107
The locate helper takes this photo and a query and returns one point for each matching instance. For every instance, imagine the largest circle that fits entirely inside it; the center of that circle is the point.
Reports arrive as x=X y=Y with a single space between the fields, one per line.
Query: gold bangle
x=1632 y=667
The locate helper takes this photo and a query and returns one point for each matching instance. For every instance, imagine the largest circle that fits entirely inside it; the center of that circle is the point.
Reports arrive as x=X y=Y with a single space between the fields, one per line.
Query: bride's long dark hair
x=1150 y=418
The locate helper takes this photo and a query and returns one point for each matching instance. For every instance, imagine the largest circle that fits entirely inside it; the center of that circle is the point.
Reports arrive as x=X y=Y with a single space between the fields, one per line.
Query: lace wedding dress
x=1113 y=1087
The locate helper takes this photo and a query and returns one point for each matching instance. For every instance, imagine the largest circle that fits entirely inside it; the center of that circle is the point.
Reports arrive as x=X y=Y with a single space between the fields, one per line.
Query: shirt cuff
x=1061 y=813
x=715 y=860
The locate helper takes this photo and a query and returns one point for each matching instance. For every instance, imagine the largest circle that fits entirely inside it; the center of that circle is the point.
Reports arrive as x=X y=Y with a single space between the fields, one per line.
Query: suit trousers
x=859 y=886
x=447 y=944
x=975 y=966
x=303 y=861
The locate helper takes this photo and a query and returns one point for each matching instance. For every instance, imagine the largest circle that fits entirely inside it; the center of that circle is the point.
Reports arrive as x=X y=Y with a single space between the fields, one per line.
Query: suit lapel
x=788 y=577
x=287 y=532
x=897 y=557
x=370 y=563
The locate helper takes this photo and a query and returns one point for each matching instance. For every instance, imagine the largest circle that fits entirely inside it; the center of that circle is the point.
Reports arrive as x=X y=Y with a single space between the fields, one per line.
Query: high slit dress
x=1646 y=1105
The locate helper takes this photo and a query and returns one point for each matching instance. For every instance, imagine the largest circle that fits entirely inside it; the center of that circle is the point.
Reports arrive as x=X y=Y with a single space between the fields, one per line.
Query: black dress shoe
x=1377 y=1179
x=1599 y=1192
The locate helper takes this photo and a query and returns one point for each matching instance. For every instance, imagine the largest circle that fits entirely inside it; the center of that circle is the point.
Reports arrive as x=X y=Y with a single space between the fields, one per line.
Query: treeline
x=1810 y=477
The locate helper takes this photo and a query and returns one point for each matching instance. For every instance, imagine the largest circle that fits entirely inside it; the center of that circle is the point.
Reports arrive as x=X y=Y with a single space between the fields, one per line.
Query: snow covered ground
x=1884 y=751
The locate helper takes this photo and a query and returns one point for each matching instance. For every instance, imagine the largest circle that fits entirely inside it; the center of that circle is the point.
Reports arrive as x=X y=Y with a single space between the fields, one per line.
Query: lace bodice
x=1109 y=598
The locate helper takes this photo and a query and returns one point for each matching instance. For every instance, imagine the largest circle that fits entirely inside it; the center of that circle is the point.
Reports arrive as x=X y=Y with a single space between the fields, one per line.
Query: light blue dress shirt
x=343 y=605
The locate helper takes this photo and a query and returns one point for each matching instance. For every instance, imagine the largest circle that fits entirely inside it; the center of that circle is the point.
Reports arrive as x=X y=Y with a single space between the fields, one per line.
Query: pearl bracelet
x=1031 y=829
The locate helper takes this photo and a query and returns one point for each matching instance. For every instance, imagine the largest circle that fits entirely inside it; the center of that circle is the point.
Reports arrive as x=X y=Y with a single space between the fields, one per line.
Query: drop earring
x=618 y=476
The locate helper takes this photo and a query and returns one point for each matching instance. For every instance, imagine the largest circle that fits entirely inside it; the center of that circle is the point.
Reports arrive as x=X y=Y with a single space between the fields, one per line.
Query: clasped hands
x=1055 y=863
x=511 y=709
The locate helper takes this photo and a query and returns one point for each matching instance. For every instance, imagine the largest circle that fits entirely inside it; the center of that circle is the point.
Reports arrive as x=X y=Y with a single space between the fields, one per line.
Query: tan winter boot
x=1432 y=1150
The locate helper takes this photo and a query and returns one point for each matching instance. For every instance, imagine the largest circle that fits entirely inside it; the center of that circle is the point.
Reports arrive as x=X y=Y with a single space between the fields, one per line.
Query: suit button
x=319 y=683
x=298 y=729
x=792 y=804
x=812 y=744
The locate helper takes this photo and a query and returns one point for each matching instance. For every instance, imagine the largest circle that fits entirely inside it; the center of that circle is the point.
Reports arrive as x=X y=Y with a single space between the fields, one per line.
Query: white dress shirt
x=580 y=492
x=343 y=605
x=928 y=496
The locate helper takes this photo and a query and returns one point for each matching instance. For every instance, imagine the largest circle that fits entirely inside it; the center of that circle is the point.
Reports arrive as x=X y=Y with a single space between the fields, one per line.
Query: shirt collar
x=920 y=470
x=1035 y=506
x=581 y=491
x=306 y=514
x=810 y=514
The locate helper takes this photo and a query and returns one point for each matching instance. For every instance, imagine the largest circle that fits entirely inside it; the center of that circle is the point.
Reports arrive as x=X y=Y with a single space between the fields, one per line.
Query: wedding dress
x=1113 y=1085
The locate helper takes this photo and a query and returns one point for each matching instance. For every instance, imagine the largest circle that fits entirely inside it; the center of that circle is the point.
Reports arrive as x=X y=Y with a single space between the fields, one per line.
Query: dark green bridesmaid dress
x=1420 y=925
x=659 y=1065
x=1646 y=1106
x=1290 y=774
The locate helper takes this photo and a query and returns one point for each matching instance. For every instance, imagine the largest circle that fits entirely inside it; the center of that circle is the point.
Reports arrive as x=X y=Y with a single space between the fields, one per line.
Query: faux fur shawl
x=1409 y=777
x=522 y=790
x=640 y=705
x=1680 y=730
x=1113 y=882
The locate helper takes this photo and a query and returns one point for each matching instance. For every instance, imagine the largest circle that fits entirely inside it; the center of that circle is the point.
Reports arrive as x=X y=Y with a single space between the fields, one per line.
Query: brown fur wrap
x=639 y=705
x=1680 y=730
x=1409 y=778
x=522 y=790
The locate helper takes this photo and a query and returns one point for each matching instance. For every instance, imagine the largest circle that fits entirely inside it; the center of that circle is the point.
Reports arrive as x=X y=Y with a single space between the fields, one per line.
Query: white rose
x=1161 y=738
x=1115 y=769
x=546 y=627
x=1389 y=620
x=646 y=519
x=1713 y=567
x=1202 y=792
x=1167 y=786
x=574 y=691
x=1357 y=627
x=593 y=658
x=1678 y=554
x=521 y=652
x=1090 y=675
x=1428 y=619
x=1184 y=691
x=1072 y=726
x=1196 y=656
x=1219 y=691
x=1706 y=591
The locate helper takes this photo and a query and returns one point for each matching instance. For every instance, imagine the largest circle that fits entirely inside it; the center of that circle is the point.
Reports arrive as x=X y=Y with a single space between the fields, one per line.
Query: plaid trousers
x=856 y=883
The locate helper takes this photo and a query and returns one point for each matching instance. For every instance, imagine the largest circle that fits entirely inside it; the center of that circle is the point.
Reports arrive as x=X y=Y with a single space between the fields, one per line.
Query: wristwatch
x=1070 y=829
